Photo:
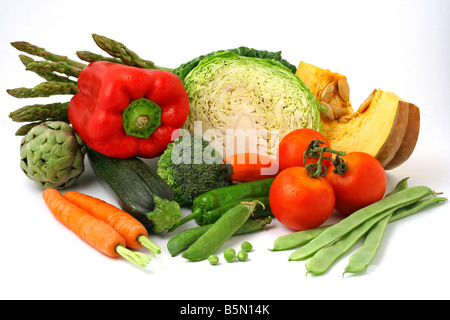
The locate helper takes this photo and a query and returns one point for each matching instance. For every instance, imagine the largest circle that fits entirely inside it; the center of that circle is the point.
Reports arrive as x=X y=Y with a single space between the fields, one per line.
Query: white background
x=398 y=46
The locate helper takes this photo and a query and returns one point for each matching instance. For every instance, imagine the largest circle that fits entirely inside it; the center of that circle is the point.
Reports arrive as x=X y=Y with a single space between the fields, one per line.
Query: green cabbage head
x=245 y=104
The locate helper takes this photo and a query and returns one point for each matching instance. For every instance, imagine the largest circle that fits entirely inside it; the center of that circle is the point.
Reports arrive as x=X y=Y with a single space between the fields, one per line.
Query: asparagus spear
x=128 y=57
x=49 y=76
x=44 y=89
x=23 y=130
x=92 y=57
x=41 y=112
x=48 y=66
x=41 y=52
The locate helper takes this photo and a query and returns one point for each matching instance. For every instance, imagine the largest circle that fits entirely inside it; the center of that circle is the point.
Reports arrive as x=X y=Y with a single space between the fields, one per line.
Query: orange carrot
x=251 y=167
x=93 y=231
x=134 y=232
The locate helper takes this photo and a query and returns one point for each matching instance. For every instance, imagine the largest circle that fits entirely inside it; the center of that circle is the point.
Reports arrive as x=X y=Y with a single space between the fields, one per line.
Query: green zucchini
x=138 y=189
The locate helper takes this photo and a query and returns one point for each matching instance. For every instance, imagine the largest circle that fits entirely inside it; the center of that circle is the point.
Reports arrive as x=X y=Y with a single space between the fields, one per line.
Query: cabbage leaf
x=233 y=97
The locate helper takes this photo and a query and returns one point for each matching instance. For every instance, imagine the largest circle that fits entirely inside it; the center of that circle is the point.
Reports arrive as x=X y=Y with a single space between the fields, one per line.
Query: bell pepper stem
x=141 y=118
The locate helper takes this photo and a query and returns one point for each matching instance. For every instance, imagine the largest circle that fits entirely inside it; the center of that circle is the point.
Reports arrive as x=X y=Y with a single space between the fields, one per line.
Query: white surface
x=398 y=46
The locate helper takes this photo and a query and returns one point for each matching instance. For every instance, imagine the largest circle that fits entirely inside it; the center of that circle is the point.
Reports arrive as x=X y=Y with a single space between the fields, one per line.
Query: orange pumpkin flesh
x=384 y=126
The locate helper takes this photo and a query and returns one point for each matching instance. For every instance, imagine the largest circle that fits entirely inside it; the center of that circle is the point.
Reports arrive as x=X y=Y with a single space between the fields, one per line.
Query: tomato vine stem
x=316 y=149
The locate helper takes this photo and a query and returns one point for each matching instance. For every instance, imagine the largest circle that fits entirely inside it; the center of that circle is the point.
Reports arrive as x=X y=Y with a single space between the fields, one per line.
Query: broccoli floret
x=191 y=167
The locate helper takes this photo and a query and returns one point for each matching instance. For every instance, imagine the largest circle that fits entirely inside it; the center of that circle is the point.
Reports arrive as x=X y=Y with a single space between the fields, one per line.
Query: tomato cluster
x=311 y=185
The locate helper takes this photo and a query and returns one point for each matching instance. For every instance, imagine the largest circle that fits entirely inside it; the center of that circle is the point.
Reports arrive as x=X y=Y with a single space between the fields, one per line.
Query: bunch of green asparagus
x=60 y=74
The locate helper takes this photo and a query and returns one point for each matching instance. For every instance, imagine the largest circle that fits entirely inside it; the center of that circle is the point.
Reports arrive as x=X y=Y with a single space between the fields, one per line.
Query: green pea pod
x=213 y=215
x=182 y=240
x=209 y=242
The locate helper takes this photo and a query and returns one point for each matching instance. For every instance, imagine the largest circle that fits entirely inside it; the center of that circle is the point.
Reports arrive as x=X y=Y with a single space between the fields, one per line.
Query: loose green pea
x=229 y=254
x=213 y=259
x=246 y=246
x=242 y=255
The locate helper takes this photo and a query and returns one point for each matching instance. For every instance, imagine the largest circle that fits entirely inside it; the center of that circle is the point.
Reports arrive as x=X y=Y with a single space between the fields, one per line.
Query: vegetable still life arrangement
x=241 y=138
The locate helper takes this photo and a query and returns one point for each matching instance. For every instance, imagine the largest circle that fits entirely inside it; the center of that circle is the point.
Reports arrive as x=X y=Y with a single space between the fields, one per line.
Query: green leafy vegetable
x=256 y=96
x=185 y=68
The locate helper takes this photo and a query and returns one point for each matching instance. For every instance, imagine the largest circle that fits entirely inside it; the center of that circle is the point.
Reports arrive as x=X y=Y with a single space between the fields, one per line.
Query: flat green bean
x=403 y=212
x=375 y=234
x=400 y=186
x=399 y=199
x=299 y=238
x=361 y=259
x=325 y=257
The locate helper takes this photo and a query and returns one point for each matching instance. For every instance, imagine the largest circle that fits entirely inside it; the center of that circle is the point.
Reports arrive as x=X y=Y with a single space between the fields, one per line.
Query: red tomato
x=299 y=201
x=362 y=184
x=295 y=143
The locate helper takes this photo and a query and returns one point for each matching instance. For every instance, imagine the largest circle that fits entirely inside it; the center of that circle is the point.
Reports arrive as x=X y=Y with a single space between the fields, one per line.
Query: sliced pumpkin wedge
x=384 y=126
x=331 y=90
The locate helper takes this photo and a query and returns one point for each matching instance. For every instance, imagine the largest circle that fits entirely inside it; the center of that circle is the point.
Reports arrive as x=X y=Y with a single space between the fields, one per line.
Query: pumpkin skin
x=409 y=140
x=385 y=126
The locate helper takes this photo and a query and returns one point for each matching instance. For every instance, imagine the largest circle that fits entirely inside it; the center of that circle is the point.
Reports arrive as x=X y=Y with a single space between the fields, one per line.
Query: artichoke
x=52 y=155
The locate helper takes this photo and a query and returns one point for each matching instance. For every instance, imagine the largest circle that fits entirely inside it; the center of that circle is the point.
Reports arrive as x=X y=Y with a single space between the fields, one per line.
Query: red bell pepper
x=122 y=111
